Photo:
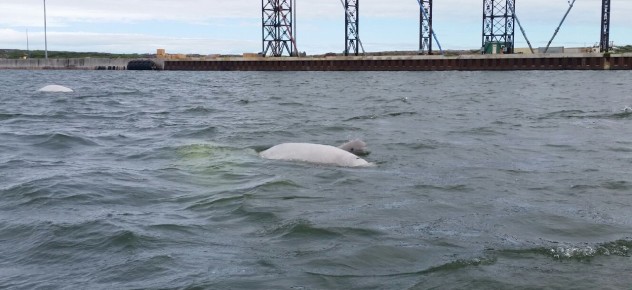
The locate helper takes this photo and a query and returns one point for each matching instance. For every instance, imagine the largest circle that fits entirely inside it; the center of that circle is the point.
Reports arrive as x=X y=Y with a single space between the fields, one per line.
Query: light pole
x=28 y=49
x=45 y=34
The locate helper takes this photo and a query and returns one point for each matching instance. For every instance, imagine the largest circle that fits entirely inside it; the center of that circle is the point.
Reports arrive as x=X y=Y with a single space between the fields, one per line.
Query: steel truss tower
x=605 y=26
x=278 y=27
x=352 y=26
x=425 y=26
x=498 y=24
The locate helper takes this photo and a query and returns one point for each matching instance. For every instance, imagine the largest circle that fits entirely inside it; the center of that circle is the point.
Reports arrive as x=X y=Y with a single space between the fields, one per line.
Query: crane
x=558 y=28
x=513 y=12
x=434 y=35
x=354 y=29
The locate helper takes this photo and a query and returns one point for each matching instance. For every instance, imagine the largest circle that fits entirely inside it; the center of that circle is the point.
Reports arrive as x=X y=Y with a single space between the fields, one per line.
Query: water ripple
x=485 y=180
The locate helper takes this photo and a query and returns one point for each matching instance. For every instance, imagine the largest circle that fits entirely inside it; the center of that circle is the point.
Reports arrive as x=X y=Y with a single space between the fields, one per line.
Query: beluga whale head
x=319 y=154
x=55 y=89
x=356 y=146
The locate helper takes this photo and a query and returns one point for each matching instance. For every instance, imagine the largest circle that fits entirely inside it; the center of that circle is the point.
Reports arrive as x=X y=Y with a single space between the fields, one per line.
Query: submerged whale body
x=314 y=153
x=55 y=89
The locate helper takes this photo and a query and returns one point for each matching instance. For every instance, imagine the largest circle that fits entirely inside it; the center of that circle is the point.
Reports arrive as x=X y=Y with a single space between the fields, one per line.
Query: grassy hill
x=17 y=53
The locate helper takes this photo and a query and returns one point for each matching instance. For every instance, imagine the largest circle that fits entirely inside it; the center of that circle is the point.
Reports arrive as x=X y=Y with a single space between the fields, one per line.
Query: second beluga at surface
x=55 y=89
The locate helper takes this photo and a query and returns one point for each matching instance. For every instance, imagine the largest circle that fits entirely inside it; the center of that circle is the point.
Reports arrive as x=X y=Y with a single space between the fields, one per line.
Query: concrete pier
x=411 y=63
x=587 y=61
x=66 y=64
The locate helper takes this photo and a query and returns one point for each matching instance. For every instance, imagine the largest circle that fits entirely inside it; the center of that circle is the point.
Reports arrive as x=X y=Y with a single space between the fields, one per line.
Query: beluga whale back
x=55 y=89
x=319 y=154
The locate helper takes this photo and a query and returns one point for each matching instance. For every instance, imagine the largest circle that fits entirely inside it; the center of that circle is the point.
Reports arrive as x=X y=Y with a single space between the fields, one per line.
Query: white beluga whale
x=55 y=89
x=320 y=154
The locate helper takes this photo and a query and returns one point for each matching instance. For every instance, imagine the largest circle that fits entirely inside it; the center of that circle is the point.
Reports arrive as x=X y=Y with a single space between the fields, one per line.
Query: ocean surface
x=482 y=180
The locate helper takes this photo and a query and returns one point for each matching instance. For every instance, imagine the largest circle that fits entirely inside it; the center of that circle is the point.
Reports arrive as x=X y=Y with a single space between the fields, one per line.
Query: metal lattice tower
x=352 y=25
x=425 y=26
x=605 y=26
x=498 y=23
x=278 y=27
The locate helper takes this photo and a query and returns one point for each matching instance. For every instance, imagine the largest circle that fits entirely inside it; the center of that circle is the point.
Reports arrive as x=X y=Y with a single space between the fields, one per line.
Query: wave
x=620 y=149
x=206 y=132
x=617 y=185
x=63 y=187
x=621 y=248
x=53 y=191
x=34 y=188
x=64 y=141
x=305 y=230
x=8 y=116
x=230 y=209
x=172 y=228
x=114 y=92
x=211 y=203
x=235 y=196
x=403 y=261
x=447 y=188
x=579 y=114
x=251 y=216
x=622 y=115
x=479 y=131
x=152 y=267
x=386 y=115
x=200 y=110
x=291 y=104
x=45 y=115
x=54 y=243
x=391 y=262
x=460 y=264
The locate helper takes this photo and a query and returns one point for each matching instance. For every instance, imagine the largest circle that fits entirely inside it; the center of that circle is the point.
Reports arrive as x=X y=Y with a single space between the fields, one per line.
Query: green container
x=495 y=48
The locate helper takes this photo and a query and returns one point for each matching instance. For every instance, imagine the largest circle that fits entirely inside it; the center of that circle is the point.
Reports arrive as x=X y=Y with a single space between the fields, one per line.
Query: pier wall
x=66 y=63
x=370 y=63
x=411 y=63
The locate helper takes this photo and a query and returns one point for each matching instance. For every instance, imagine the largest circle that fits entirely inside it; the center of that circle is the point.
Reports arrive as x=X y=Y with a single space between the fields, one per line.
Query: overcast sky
x=234 y=26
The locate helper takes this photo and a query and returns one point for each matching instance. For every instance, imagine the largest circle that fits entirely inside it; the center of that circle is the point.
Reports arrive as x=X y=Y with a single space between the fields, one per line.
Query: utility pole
x=45 y=34
x=28 y=49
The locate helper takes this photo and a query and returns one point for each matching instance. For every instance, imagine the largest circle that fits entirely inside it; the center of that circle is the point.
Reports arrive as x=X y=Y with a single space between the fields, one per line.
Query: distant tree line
x=623 y=49
x=17 y=54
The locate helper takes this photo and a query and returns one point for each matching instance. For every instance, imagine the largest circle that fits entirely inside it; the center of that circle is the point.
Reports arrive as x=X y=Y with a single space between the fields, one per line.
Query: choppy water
x=152 y=179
